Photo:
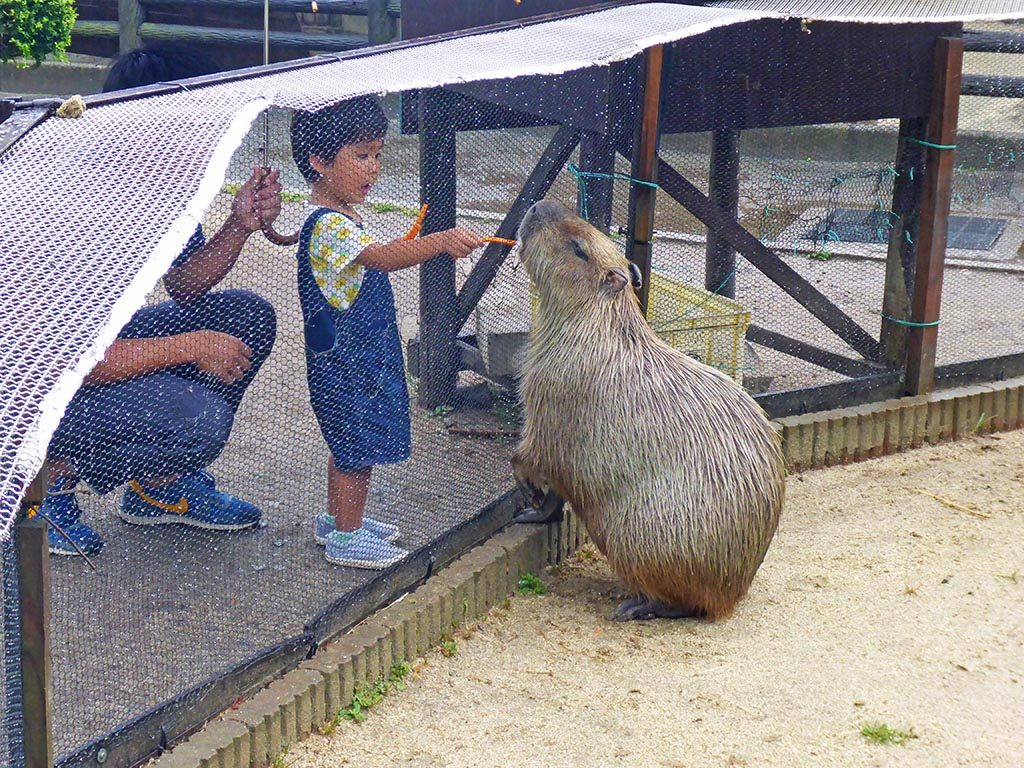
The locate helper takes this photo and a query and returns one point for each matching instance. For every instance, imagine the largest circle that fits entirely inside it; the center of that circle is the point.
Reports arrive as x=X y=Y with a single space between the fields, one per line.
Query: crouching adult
x=159 y=409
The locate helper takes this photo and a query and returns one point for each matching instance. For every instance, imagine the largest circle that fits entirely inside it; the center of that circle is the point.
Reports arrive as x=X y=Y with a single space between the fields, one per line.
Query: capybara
x=672 y=466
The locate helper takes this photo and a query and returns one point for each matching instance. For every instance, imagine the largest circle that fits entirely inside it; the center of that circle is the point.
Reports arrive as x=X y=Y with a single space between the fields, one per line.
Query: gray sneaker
x=361 y=549
x=325 y=527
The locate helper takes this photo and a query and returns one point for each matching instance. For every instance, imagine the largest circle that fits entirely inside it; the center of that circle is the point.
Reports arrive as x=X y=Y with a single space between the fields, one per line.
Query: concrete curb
x=289 y=709
x=877 y=429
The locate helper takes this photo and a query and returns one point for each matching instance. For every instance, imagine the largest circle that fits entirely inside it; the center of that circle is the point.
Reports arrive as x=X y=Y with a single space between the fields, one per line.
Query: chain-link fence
x=214 y=466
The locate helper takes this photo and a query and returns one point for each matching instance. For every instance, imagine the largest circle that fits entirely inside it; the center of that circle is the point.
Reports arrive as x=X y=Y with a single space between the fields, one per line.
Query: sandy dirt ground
x=877 y=604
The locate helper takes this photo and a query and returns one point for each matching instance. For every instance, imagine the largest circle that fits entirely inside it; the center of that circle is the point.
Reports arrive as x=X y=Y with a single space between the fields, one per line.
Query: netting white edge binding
x=32 y=453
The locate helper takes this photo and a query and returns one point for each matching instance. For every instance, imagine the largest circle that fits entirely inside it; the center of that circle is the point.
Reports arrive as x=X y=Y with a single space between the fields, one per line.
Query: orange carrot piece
x=417 y=225
x=499 y=241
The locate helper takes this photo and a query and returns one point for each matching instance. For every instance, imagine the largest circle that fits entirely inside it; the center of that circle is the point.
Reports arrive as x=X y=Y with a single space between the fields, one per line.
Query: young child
x=354 y=364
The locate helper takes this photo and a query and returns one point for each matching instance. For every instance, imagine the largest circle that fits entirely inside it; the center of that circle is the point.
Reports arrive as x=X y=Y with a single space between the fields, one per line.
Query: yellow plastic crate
x=701 y=324
x=705 y=326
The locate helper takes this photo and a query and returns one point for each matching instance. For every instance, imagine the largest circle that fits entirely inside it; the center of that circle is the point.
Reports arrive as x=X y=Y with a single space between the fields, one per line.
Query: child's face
x=348 y=178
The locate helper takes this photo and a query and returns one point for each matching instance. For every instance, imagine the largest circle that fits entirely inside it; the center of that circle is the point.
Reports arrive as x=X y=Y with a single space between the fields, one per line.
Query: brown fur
x=673 y=468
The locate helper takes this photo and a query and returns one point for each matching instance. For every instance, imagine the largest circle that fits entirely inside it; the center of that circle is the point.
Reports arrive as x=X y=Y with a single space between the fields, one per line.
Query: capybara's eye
x=579 y=251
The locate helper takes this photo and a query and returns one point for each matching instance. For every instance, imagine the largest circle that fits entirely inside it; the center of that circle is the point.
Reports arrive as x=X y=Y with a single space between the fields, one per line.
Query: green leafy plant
x=531 y=585
x=441 y=410
x=880 y=733
x=448 y=646
x=31 y=30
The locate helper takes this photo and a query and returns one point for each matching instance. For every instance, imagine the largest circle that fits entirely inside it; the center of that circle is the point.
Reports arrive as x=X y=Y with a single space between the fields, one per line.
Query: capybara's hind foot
x=552 y=510
x=643 y=609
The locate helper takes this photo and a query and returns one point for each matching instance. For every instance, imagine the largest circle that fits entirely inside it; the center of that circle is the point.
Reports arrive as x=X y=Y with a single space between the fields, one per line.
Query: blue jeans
x=174 y=421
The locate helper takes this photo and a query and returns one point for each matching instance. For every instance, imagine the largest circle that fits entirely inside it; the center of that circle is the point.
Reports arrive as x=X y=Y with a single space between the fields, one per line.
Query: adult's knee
x=205 y=433
x=252 y=319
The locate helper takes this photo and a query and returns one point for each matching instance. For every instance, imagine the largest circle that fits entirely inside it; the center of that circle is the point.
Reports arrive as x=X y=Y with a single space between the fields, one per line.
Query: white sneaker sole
x=180 y=520
x=376 y=565
x=322 y=540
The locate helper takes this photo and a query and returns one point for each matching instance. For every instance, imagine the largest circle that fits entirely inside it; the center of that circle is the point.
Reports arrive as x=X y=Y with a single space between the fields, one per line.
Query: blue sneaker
x=361 y=550
x=189 y=500
x=383 y=531
x=61 y=507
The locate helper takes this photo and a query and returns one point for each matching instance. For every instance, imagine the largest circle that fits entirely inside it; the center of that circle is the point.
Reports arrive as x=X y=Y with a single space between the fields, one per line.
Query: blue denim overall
x=354 y=367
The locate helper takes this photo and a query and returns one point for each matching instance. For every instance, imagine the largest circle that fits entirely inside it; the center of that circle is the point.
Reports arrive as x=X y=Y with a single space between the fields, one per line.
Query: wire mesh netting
x=216 y=465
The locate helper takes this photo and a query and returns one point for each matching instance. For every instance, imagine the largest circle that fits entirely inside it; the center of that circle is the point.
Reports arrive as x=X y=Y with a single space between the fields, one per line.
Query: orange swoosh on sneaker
x=179 y=508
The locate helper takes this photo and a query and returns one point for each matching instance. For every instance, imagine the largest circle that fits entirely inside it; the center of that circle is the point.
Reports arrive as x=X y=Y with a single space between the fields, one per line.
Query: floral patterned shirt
x=334 y=247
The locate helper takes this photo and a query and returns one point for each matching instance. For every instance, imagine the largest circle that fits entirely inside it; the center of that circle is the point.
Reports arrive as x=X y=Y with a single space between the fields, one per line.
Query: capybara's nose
x=541 y=213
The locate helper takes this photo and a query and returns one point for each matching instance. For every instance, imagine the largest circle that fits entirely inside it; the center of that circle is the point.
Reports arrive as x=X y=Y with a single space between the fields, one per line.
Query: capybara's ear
x=638 y=278
x=614 y=281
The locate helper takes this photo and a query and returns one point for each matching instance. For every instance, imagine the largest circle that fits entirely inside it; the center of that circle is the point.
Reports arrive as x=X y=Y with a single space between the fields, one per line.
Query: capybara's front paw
x=551 y=509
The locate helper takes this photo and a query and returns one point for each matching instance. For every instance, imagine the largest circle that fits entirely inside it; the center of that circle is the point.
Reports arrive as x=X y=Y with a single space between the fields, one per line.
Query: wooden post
x=438 y=363
x=597 y=155
x=380 y=24
x=931 y=246
x=724 y=191
x=645 y=167
x=903 y=236
x=130 y=15
x=34 y=594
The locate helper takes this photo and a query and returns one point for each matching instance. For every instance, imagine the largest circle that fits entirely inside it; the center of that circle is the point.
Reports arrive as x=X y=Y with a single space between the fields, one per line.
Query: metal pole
x=922 y=337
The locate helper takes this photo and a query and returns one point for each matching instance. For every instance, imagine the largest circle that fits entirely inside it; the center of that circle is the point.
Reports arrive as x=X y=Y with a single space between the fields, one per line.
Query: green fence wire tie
x=910 y=323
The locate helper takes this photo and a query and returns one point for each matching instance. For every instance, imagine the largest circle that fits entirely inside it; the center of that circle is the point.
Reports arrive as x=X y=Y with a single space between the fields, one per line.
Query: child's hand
x=258 y=200
x=219 y=354
x=458 y=242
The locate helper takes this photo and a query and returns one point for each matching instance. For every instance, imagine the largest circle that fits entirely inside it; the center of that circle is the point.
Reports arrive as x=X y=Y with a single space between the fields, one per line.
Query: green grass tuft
x=531 y=585
x=880 y=733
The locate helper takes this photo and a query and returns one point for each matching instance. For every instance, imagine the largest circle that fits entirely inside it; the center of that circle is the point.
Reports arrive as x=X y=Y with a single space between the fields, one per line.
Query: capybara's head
x=571 y=262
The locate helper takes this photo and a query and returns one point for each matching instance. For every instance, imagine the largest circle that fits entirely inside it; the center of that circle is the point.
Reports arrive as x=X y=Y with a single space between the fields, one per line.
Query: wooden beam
x=1005 y=86
x=907 y=190
x=766 y=260
x=724 y=192
x=438 y=362
x=346 y=7
x=985 y=41
x=645 y=168
x=931 y=247
x=223 y=36
x=536 y=187
x=34 y=601
x=597 y=155
x=787 y=345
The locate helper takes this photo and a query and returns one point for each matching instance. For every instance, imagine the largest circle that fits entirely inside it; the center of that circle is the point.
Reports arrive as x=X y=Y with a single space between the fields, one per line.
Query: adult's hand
x=258 y=200
x=219 y=354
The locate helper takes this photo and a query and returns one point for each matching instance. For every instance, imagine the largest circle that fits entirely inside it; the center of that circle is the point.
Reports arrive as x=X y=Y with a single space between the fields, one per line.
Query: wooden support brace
x=767 y=261
x=645 y=168
x=931 y=248
x=812 y=354
x=536 y=187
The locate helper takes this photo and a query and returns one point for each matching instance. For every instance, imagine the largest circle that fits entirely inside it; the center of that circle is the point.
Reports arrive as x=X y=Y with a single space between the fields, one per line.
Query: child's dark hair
x=324 y=132
x=157 y=63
